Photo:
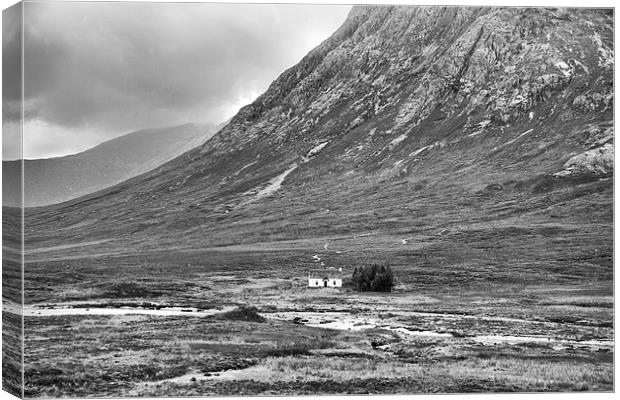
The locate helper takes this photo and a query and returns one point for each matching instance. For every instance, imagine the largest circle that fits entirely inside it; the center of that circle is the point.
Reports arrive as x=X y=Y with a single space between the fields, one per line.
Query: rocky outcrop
x=597 y=161
x=403 y=65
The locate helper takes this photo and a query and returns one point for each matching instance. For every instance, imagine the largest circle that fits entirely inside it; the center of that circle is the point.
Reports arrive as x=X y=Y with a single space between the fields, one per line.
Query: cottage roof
x=320 y=273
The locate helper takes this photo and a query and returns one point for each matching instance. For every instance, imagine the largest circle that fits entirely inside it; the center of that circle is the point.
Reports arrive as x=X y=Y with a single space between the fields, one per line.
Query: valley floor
x=166 y=325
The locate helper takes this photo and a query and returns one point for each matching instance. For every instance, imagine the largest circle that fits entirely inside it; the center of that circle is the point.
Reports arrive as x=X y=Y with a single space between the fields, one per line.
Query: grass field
x=476 y=328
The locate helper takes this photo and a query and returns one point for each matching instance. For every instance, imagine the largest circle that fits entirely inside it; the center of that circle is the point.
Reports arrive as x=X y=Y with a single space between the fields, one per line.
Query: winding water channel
x=328 y=320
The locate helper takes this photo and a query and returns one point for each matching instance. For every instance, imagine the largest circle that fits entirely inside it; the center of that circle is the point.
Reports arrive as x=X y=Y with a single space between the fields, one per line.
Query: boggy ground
x=475 y=328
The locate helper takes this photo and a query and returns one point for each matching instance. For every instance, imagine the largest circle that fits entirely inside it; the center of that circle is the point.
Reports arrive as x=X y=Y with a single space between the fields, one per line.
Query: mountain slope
x=464 y=129
x=53 y=180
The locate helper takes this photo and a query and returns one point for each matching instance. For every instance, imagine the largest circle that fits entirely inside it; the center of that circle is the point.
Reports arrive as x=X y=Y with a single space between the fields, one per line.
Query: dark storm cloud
x=11 y=84
x=11 y=50
x=103 y=69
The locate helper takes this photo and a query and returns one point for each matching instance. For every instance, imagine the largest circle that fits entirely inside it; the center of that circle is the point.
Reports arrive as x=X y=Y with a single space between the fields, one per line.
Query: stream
x=326 y=320
x=30 y=311
x=344 y=321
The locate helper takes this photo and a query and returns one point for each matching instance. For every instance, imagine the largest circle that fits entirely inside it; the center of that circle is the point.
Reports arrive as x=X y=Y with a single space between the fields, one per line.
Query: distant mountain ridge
x=58 y=179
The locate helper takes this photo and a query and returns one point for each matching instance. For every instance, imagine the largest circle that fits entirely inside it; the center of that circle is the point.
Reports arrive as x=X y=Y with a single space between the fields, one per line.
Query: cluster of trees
x=373 y=278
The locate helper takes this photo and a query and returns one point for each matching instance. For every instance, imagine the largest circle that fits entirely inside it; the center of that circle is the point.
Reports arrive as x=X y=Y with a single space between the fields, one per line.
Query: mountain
x=54 y=180
x=471 y=133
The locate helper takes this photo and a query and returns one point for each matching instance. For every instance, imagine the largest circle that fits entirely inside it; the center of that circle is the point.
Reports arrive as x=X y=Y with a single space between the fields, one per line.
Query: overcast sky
x=94 y=71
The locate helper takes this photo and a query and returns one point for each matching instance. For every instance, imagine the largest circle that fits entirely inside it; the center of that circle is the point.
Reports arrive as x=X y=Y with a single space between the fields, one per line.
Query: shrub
x=243 y=313
x=373 y=278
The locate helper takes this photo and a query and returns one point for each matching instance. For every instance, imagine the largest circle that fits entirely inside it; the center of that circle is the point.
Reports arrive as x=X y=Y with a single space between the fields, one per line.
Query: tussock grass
x=299 y=346
x=528 y=374
x=534 y=375
x=78 y=293
x=312 y=368
x=582 y=301
x=129 y=290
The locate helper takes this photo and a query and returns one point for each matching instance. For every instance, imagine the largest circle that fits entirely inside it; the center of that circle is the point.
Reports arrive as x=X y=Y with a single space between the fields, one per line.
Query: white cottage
x=325 y=277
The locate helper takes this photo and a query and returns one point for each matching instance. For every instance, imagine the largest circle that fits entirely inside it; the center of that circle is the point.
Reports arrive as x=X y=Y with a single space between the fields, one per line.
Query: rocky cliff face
x=397 y=68
x=432 y=118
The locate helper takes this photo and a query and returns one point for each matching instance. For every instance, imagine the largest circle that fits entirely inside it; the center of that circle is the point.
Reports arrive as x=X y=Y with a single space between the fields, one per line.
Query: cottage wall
x=319 y=283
